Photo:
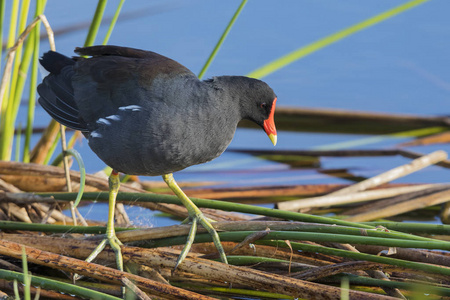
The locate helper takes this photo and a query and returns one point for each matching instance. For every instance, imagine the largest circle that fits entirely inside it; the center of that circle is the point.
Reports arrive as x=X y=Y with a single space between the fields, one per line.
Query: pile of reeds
x=273 y=253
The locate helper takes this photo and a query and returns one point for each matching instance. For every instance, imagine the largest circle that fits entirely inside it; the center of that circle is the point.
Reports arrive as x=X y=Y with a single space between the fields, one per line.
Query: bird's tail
x=56 y=91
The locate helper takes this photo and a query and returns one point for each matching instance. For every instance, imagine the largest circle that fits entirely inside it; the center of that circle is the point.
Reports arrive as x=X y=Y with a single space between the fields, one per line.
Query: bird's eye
x=263 y=105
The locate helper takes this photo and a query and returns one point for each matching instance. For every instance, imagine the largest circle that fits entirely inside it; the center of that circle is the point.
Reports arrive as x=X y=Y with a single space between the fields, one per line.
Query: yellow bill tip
x=273 y=138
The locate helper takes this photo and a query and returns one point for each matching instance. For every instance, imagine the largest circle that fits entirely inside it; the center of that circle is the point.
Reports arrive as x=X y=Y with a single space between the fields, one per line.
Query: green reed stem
x=18 y=138
x=56 y=285
x=221 y=40
x=359 y=256
x=34 y=38
x=52 y=148
x=415 y=287
x=26 y=276
x=2 y=21
x=5 y=125
x=11 y=225
x=226 y=206
x=423 y=228
x=95 y=24
x=238 y=236
x=13 y=24
x=333 y=38
x=243 y=293
x=113 y=22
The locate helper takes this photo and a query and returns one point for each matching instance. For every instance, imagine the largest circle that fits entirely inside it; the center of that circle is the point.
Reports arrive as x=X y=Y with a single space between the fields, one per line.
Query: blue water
x=398 y=66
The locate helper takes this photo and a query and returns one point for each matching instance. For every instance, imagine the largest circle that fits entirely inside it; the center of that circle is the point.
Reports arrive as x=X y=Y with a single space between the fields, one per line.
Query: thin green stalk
x=243 y=260
x=222 y=205
x=18 y=75
x=333 y=38
x=359 y=256
x=24 y=9
x=26 y=276
x=381 y=138
x=52 y=148
x=4 y=124
x=18 y=138
x=40 y=6
x=410 y=286
x=82 y=169
x=13 y=24
x=2 y=21
x=95 y=24
x=52 y=228
x=16 y=290
x=31 y=97
x=238 y=236
x=50 y=284
x=221 y=40
x=113 y=22
x=20 y=80
x=423 y=228
x=245 y=294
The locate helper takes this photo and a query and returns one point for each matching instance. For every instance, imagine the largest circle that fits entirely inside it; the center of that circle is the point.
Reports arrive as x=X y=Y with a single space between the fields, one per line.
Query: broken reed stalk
x=167 y=259
x=36 y=171
x=385 y=177
x=402 y=207
x=330 y=200
x=93 y=270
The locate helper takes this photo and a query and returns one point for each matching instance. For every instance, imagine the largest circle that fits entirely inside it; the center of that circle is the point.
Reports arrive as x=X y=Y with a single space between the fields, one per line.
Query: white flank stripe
x=131 y=107
x=96 y=134
x=114 y=118
x=103 y=121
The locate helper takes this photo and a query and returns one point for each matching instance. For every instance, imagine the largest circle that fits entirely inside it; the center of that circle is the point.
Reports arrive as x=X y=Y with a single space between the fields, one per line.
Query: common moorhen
x=145 y=114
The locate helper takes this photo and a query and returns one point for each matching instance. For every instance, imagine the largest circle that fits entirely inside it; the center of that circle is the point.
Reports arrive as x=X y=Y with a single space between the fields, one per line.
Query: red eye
x=263 y=105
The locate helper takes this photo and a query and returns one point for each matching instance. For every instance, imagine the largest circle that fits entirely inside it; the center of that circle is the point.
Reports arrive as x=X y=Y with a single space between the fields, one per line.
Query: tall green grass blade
x=2 y=21
x=52 y=149
x=380 y=138
x=4 y=119
x=16 y=290
x=345 y=288
x=113 y=22
x=237 y=236
x=18 y=138
x=221 y=40
x=13 y=24
x=222 y=205
x=16 y=74
x=95 y=24
x=26 y=276
x=333 y=38
x=243 y=293
x=63 y=287
x=40 y=6
x=21 y=77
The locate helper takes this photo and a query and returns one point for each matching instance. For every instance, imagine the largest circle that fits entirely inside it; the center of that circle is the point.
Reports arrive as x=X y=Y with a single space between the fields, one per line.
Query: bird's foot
x=115 y=244
x=196 y=218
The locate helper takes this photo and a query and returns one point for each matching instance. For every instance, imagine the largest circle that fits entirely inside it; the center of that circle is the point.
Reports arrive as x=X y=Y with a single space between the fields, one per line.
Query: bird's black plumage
x=145 y=114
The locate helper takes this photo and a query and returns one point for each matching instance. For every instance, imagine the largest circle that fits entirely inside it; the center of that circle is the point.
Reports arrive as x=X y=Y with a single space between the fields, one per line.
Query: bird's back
x=142 y=113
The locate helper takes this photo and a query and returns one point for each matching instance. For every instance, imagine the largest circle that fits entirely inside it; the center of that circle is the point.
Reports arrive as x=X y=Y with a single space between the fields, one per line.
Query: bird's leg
x=195 y=215
x=111 y=238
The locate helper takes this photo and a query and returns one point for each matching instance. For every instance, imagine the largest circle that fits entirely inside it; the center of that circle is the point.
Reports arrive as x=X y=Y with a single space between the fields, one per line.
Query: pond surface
x=398 y=66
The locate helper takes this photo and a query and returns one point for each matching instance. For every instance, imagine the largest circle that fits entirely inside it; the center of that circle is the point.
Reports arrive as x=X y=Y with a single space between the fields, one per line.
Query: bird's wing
x=116 y=77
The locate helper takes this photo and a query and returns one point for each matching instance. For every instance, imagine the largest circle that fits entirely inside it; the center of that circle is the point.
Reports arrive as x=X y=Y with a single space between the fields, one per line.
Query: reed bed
x=324 y=241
